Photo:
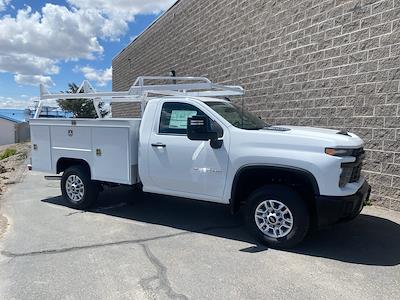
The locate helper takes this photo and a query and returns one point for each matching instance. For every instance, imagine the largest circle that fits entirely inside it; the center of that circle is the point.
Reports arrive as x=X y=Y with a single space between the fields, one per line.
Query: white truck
x=193 y=142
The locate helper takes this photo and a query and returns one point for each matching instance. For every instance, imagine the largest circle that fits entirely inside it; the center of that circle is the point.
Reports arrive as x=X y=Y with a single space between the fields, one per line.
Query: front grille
x=351 y=172
x=359 y=153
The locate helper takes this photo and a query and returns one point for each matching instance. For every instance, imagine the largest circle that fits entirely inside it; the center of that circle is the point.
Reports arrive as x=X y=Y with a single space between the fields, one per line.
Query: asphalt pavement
x=142 y=246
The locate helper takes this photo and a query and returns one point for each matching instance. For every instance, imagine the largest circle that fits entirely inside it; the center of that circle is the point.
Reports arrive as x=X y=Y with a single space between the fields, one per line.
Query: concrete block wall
x=333 y=63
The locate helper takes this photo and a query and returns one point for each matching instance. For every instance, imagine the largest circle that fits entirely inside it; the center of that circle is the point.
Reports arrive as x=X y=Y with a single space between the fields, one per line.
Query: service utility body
x=193 y=142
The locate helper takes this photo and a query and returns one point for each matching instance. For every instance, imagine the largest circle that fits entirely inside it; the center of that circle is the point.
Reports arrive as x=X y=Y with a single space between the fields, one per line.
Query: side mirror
x=199 y=129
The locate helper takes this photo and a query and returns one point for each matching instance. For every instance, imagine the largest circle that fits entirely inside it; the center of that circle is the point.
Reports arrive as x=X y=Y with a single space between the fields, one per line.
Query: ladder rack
x=140 y=91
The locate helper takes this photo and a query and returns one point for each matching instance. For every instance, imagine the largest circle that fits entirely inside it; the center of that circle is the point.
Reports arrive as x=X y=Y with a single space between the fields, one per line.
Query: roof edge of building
x=10 y=119
x=146 y=29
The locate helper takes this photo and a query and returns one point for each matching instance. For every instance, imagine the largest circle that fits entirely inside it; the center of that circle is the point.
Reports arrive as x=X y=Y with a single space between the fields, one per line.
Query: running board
x=52 y=177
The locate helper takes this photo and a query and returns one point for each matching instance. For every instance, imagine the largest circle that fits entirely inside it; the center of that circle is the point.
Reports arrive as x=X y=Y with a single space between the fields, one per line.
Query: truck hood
x=319 y=136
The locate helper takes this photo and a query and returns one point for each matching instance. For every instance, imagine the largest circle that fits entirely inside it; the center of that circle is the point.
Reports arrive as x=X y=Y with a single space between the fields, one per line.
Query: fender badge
x=207 y=170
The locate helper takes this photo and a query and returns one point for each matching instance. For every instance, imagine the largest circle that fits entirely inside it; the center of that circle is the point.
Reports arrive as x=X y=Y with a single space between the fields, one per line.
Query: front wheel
x=77 y=188
x=277 y=216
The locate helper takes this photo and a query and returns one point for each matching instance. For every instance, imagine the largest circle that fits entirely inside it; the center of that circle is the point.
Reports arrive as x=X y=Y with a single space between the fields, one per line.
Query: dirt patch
x=12 y=168
x=3 y=225
x=11 y=171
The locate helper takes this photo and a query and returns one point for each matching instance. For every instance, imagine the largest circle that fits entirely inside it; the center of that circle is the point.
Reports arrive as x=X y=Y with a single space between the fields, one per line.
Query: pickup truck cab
x=287 y=179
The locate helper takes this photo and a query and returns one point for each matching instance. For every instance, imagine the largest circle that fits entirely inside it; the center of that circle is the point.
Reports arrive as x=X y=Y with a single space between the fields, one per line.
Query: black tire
x=90 y=188
x=299 y=214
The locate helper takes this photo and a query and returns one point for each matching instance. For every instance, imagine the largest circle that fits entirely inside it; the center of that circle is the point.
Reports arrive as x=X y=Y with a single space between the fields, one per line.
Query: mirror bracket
x=216 y=144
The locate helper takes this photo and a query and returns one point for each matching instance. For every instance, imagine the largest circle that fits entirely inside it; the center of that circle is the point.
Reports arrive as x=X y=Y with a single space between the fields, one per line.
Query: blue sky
x=65 y=41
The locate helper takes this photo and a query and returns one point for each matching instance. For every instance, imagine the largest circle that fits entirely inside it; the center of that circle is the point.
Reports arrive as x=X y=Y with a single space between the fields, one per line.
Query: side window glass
x=174 y=117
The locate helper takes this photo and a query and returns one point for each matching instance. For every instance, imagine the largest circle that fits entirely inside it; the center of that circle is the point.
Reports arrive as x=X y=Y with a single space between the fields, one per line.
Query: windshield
x=237 y=116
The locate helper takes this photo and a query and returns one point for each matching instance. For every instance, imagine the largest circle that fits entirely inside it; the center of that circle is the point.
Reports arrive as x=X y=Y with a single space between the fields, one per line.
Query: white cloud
x=27 y=64
x=33 y=79
x=9 y=102
x=123 y=9
x=34 y=43
x=3 y=4
x=119 y=13
x=101 y=77
x=56 y=33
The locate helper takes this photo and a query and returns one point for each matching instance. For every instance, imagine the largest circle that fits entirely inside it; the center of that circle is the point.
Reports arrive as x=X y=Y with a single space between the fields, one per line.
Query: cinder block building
x=332 y=63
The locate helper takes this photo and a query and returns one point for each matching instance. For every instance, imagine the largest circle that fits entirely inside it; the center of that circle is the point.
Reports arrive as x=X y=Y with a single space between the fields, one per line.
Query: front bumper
x=331 y=209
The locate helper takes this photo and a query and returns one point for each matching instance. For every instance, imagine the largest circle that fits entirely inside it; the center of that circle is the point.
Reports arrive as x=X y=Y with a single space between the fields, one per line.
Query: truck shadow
x=367 y=240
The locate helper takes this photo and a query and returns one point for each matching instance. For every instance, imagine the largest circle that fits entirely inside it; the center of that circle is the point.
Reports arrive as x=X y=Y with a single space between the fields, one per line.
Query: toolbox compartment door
x=111 y=155
x=41 y=154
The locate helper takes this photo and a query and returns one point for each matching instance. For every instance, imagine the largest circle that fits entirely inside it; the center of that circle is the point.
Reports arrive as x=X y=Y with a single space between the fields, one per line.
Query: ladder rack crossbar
x=141 y=79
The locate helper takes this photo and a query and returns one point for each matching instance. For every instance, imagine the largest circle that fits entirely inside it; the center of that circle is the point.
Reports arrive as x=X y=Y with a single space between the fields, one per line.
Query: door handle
x=159 y=145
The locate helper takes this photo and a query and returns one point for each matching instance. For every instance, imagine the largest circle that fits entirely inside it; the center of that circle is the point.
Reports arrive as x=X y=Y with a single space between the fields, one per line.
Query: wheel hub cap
x=273 y=218
x=74 y=188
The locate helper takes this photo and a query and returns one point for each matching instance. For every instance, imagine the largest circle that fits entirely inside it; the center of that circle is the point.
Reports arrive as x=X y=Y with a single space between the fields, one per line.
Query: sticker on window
x=179 y=118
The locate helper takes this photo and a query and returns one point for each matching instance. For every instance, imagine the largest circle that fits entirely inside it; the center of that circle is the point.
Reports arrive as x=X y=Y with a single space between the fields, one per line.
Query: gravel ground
x=11 y=171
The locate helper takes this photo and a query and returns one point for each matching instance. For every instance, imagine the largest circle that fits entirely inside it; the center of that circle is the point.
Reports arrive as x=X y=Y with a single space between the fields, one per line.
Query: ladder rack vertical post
x=38 y=109
x=143 y=96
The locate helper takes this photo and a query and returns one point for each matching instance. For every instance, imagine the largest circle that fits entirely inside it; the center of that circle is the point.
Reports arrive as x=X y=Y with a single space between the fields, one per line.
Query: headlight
x=351 y=171
x=339 y=152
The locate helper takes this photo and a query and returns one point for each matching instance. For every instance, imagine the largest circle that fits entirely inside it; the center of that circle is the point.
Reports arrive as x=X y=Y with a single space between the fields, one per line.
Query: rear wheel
x=277 y=216
x=77 y=188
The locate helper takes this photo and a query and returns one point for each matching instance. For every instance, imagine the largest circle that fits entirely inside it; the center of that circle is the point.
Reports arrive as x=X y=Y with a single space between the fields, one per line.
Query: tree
x=80 y=108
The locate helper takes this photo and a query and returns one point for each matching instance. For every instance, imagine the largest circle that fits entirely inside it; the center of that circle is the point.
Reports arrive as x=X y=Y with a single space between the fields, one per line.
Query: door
x=179 y=166
x=111 y=154
x=41 y=155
